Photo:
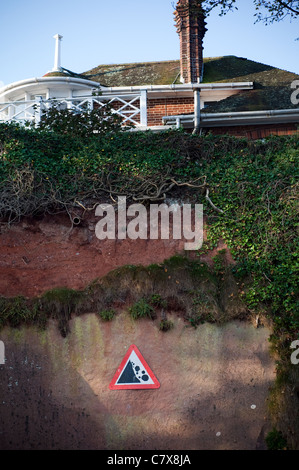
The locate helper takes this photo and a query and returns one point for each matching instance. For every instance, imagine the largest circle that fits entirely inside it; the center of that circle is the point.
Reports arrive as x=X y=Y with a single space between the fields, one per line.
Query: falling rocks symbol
x=134 y=373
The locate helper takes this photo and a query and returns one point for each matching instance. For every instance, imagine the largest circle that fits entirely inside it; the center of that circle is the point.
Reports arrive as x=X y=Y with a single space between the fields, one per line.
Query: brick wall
x=255 y=132
x=157 y=108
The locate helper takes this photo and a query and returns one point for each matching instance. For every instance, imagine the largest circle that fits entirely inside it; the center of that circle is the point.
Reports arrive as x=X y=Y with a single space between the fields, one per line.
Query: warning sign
x=134 y=373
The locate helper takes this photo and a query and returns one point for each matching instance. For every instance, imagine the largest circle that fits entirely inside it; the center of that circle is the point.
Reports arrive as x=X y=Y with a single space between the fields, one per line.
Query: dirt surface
x=214 y=385
x=41 y=255
x=54 y=391
x=36 y=256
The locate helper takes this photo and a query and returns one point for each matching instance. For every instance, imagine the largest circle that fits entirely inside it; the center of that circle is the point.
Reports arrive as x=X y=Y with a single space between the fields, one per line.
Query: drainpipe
x=196 y=129
x=143 y=108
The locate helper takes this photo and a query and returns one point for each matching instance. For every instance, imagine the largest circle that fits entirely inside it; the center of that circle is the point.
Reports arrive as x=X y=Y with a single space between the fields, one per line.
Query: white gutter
x=181 y=87
x=249 y=117
x=44 y=80
x=131 y=89
x=236 y=118
x=184 y=87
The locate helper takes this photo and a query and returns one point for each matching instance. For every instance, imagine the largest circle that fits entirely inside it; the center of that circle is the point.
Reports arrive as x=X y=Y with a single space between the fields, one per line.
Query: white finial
x=57 y=66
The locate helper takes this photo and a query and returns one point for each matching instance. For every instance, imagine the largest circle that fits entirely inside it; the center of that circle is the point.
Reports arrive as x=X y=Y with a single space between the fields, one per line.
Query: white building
x=25 y=100
x=220 y=95
x=20 y=101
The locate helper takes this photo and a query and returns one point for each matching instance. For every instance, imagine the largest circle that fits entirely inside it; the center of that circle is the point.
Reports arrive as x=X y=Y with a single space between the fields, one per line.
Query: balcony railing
x=132 y=107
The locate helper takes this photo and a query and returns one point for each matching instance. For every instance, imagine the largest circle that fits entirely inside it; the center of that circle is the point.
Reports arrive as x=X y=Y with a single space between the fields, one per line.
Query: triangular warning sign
x=134 y=373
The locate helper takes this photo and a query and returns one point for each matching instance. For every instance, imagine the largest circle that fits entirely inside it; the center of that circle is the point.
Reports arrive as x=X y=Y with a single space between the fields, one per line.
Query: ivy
x=254 y=183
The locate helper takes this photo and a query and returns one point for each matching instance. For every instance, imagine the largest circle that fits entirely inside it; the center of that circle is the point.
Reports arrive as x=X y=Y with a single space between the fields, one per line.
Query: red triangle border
x=113 y=385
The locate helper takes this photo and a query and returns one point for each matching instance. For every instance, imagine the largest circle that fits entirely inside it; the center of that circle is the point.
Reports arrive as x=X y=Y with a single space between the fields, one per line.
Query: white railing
x=132 y=107
x=180 y=120
x=18 y=111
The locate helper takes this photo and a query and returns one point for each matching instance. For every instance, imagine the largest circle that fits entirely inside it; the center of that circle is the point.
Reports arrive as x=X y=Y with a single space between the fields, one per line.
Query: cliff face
x=39 y=255
x=36 y=256
x=214 y=384
x=214 y=380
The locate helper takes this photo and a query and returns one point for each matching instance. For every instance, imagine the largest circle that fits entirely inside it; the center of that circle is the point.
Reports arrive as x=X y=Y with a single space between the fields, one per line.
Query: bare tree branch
x=213 y=205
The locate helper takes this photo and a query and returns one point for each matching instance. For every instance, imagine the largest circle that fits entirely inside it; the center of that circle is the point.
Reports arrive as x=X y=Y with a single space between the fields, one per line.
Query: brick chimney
x=191 y=27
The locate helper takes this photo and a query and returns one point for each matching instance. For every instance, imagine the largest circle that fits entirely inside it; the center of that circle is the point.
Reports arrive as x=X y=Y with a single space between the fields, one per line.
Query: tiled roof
x=271 y=85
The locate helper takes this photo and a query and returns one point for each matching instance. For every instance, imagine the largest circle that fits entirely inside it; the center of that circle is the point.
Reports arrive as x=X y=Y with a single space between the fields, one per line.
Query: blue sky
x=119 y=31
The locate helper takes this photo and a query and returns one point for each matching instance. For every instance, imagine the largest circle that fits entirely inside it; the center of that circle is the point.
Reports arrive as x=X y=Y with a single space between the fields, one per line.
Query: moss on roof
x=65 y=73
x=56 y=74
x=136 y=74
x=232 y=69
x=238 y=69
x=277 y=97
x=271 y=85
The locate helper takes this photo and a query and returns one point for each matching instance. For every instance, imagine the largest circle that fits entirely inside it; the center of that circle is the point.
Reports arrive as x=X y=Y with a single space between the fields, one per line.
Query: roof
x=56 y=74
x=271 y=85
x=136 y=74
